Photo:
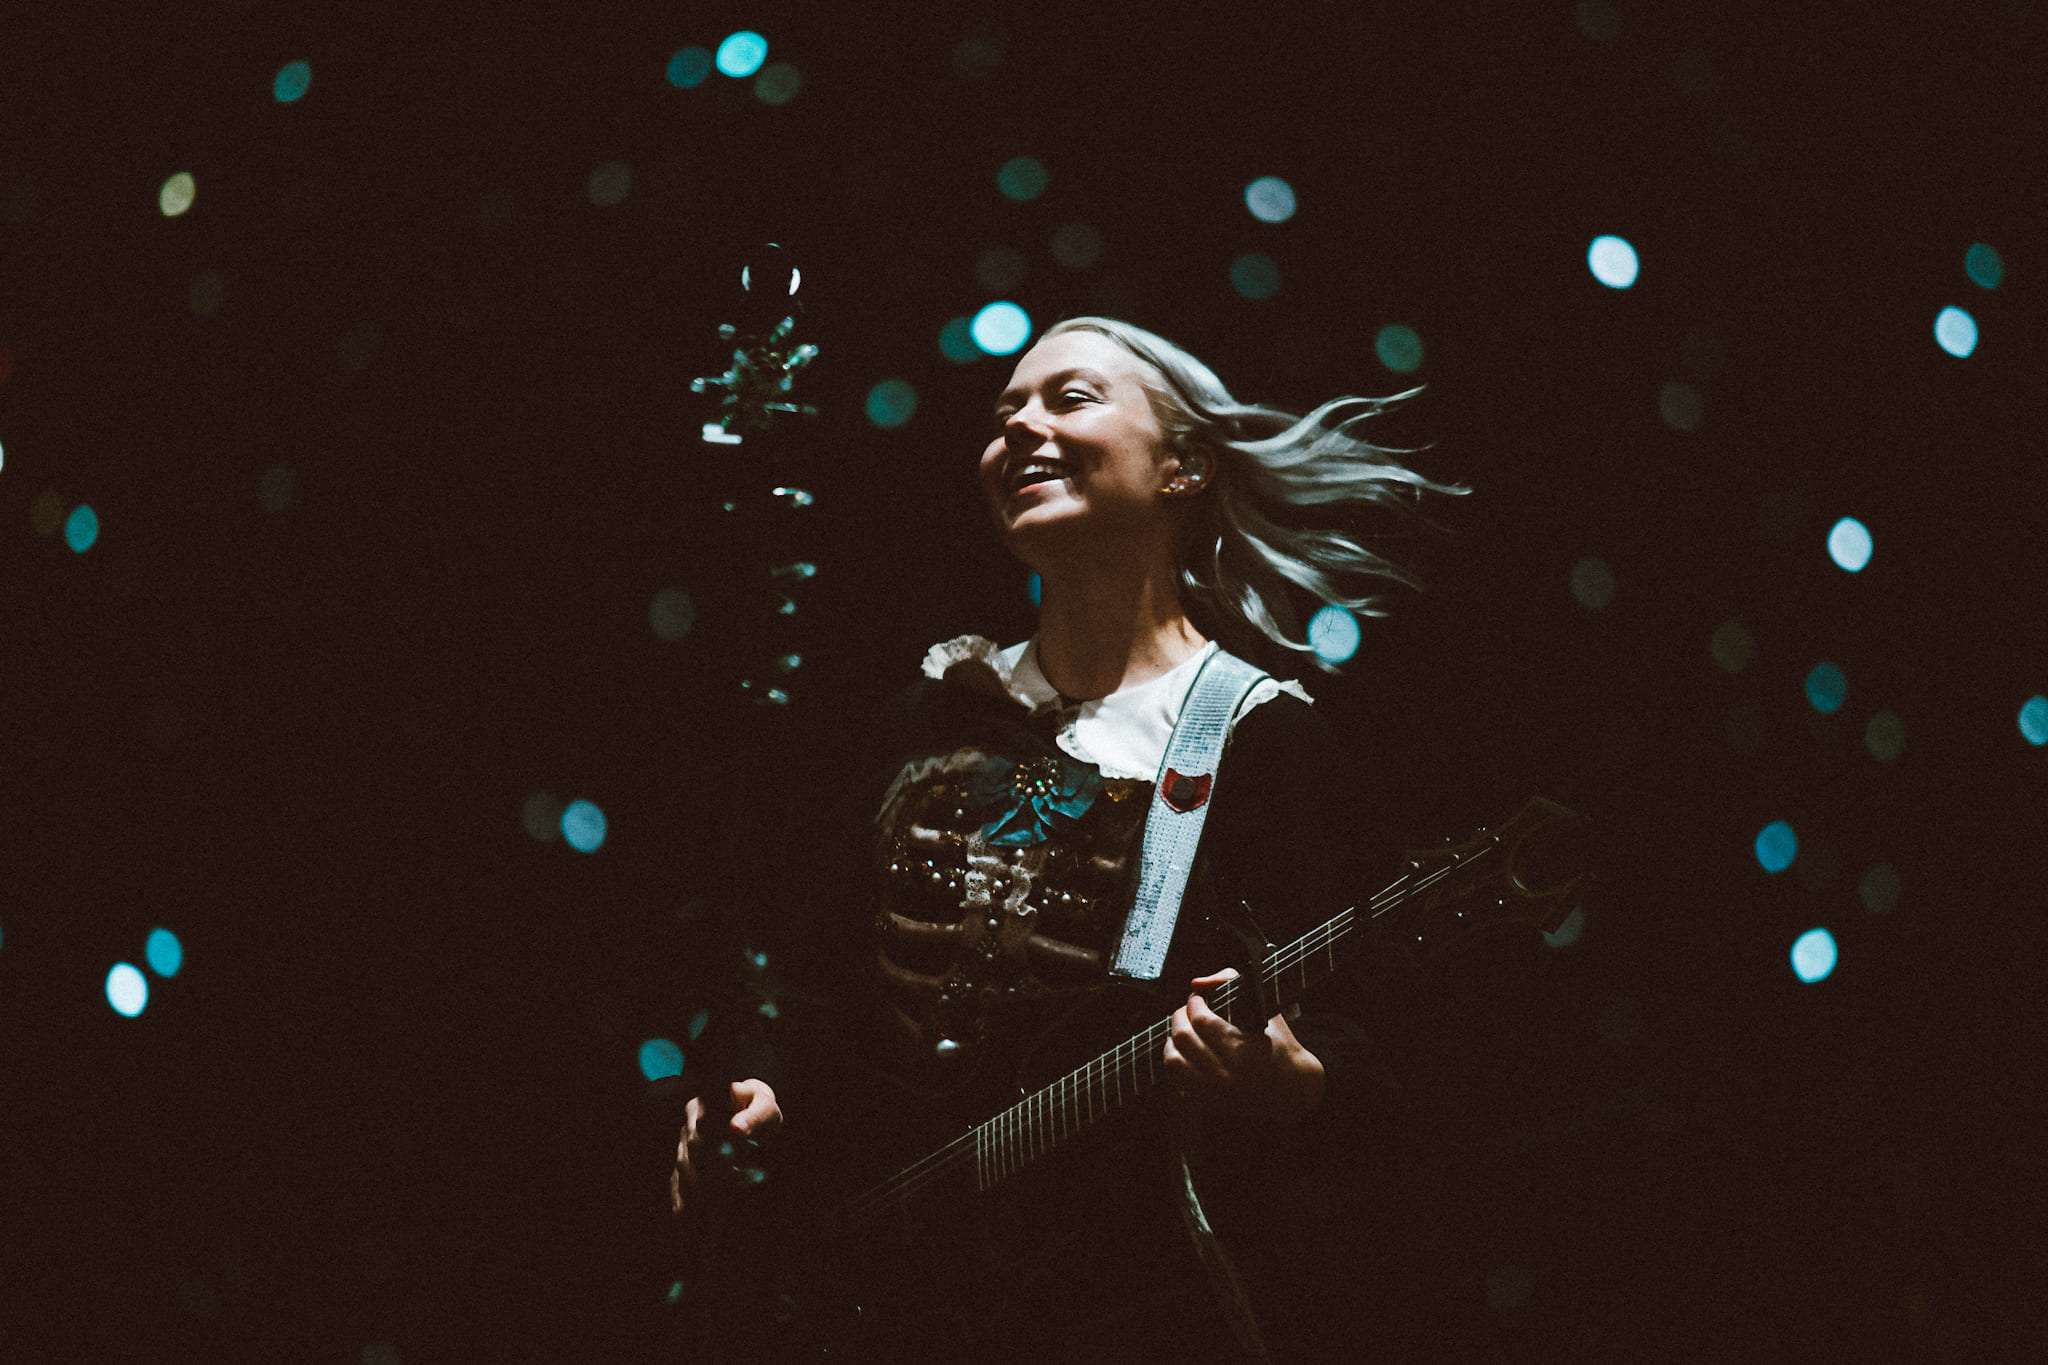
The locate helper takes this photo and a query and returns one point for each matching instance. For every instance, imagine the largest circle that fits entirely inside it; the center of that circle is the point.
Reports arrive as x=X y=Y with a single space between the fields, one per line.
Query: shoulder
x=1283 y=722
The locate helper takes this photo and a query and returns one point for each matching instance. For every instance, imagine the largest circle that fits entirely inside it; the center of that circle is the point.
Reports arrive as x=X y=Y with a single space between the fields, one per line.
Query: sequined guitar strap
x=1180 y=805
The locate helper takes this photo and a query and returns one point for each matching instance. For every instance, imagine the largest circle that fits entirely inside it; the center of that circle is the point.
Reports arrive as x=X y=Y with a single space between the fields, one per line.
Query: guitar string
x=1019 y=1127
x=1008 y=1128
x=1018 y=1130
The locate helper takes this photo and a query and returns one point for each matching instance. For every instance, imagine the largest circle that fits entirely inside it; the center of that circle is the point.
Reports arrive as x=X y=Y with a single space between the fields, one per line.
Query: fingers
x=755 y=1113
x=1188 y=1056
x=683 y=1177
x=1224 y=1038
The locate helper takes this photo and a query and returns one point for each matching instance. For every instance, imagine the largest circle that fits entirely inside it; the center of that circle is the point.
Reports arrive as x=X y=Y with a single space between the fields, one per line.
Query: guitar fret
x=1035 y=1123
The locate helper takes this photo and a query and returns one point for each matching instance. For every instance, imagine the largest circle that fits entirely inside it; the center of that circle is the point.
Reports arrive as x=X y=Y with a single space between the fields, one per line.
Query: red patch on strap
x=1185 y=793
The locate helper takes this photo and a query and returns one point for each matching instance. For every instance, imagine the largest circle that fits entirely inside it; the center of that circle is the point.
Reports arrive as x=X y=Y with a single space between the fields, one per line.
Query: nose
x=1022 y=435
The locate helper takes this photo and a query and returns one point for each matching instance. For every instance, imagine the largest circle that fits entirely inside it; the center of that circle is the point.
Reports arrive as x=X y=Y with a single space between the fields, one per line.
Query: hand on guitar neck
x=1266 y=1076
x=753 y=1114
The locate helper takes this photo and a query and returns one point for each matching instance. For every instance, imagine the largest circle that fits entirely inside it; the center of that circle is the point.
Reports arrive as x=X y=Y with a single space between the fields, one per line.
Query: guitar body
x=1081 y=1239
x=1041 y=1227
x=963 y=1267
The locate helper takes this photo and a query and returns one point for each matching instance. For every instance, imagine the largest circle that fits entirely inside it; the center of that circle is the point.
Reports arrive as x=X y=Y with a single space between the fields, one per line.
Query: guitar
x=1529 y=871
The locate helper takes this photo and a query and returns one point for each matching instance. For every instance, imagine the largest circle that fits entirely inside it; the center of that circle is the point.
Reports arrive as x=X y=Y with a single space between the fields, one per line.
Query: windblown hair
x=1244 y=540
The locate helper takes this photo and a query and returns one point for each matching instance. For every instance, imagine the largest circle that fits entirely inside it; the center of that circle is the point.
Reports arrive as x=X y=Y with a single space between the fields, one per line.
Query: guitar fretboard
x=1029 y=1129
x=1415 y=912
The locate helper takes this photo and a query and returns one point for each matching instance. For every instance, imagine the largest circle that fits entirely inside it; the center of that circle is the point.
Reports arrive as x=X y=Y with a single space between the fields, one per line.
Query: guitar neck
x=994 y=1150
x=1133 y=1069
x=1422 y=912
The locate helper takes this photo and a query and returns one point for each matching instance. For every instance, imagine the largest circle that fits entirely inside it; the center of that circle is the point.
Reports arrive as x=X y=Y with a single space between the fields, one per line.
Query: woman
x=1165 y=521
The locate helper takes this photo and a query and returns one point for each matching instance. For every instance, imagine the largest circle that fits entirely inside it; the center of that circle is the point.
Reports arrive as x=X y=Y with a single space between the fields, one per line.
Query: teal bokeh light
x=660 y=1057
x=1826 y=688
x=956 y=342
x=164 y=952
x=583 y=826
x=1023 y=178
x=2034 y=720
x=891 y=403
x=1270 y=199
x=293 y=80
x=127 y=989
x=1034 y=588
x=1001 y=329
x=1613 y=261
x=1776 y=846
x=742 y=53
x=1955 y=331
x=1399 y=348
x=1255 y=276
x=1333 y=634
x=1849 y=544
x=82 y=528
x=689 y=67
x=1984 y=266
x=1813 y=955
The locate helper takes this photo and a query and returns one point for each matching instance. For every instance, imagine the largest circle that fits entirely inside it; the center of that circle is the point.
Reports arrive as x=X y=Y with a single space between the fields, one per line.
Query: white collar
x=1125 y=734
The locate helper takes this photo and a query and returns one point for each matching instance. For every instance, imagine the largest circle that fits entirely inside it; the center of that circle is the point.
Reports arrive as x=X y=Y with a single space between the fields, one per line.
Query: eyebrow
x=1059 y=377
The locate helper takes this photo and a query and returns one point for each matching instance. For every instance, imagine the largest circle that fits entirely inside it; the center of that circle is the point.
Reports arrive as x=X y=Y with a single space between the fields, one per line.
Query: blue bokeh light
x=1955 y=331
x=127 y=989
x=1334 y=635
x=583 y=826
x=1613 y=261
x=1813 y=955
x=2034 y=719
x=689 y=67
x=82 y=528
x=293 y=80
x=1849 y=544
x=1034 y=588
x=660 y=1057
x=698 y=1023
x=1776 y=846
x=1826 y=688
x=164 y=952
x=1002 y=328
x=1270 y=199
x=742 y=53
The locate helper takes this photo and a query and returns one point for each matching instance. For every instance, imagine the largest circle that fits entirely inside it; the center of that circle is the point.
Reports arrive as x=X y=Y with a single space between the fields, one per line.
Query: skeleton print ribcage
x=969 y=933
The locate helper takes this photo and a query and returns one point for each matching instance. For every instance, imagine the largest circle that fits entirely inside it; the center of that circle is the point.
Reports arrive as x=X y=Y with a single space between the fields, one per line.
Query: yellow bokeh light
x=177 y=194
x=46 y=513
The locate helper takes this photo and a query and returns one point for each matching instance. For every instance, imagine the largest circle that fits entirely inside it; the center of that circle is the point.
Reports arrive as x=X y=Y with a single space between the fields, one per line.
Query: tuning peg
x=768 y=286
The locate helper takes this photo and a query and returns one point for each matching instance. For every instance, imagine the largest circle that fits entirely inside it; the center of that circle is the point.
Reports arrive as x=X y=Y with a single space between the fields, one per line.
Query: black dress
x=979 y=898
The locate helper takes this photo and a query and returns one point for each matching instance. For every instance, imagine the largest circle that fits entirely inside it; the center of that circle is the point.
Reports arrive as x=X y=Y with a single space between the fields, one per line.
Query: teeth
x=1031 y=470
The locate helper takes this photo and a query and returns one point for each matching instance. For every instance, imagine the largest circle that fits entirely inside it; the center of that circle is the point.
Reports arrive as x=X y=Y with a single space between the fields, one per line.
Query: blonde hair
x=1243 y=542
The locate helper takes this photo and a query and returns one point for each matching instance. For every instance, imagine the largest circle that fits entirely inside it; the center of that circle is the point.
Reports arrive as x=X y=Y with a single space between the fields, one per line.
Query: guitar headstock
x=1531 y=870
x=765 y=359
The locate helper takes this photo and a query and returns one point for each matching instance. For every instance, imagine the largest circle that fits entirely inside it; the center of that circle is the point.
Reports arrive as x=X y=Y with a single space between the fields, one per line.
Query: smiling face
x=1075 y=400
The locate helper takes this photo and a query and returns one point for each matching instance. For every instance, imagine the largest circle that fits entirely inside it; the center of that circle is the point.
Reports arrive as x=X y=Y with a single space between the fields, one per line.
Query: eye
x=1003 y=417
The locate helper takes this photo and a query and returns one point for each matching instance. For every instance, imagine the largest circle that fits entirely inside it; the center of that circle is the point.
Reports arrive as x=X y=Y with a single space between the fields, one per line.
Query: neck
x=1105 y=629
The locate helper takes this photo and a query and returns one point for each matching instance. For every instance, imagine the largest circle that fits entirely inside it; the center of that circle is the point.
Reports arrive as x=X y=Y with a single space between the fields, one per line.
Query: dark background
x=391 y=1108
